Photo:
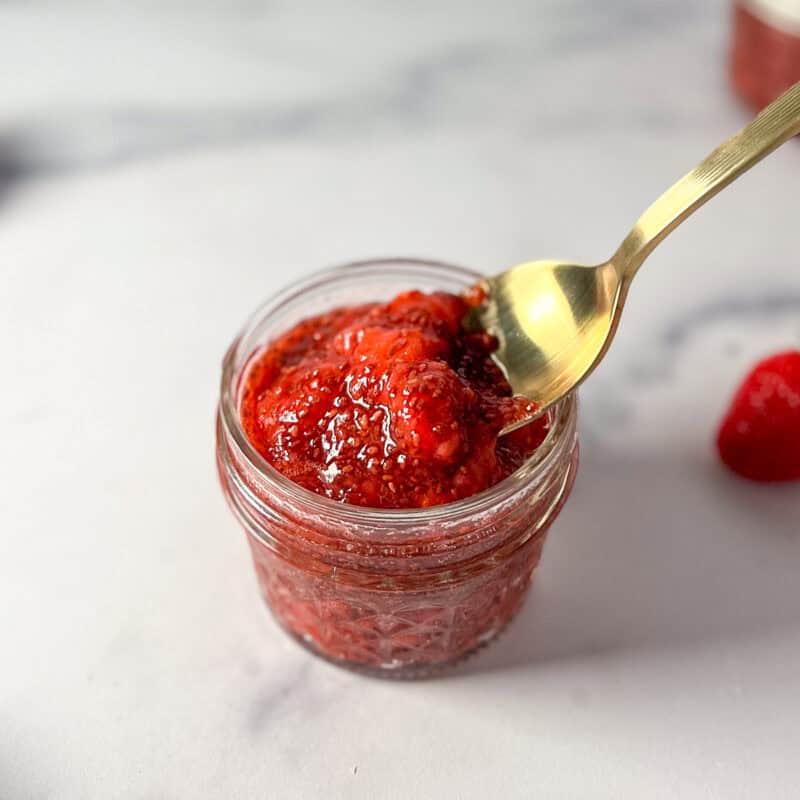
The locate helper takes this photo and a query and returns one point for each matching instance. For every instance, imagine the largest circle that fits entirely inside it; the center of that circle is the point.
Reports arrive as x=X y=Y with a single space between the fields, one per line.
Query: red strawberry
x=760 y=435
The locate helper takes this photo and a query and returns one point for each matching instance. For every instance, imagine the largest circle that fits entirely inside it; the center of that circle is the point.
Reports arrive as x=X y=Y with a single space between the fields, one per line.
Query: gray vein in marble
x=89 y=138
x=621 y=21
x=12 y=169
x=611 y=405
x=776 y=302
x=274 y=695
x=432 y=91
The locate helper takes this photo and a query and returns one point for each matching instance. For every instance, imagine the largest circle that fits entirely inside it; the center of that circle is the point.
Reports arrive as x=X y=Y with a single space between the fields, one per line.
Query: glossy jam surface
x=388 y=405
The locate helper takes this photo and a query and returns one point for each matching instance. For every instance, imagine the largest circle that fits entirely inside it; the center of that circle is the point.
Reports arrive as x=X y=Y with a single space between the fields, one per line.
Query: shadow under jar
x=393 y=592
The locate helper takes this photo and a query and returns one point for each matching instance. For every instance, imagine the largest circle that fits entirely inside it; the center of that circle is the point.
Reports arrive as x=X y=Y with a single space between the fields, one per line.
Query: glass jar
x=765 y=51
x=392 y=592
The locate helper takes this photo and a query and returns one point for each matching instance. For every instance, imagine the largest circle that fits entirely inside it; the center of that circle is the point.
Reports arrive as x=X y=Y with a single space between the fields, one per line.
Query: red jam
x=389 y=405
x=765 y=54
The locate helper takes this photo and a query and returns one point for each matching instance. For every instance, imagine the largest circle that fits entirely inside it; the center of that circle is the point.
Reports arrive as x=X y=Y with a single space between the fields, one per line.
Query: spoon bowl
x=553 y=322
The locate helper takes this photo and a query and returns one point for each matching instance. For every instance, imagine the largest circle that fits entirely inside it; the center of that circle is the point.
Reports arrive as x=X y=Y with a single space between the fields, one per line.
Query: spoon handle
x=776 y=124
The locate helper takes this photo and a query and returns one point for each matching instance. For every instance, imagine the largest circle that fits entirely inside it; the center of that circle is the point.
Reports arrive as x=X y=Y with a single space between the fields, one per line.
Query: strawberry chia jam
x=392 y=528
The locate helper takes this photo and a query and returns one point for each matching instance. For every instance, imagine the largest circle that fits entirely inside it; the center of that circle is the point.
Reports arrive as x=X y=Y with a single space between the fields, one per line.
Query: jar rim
x=557 y=440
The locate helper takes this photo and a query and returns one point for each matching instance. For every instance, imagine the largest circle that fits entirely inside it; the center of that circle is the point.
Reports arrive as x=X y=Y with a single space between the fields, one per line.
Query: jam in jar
x=765 y=54
x=392 y=529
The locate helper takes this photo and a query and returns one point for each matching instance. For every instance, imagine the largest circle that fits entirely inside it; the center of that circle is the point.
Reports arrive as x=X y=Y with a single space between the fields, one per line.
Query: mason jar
x=395 y=592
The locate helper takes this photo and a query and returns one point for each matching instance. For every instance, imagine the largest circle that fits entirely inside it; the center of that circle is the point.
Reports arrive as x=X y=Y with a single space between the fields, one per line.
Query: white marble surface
x=163 y=169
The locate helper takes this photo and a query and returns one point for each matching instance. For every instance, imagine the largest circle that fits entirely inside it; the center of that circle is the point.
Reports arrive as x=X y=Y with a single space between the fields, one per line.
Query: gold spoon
x=555 y=321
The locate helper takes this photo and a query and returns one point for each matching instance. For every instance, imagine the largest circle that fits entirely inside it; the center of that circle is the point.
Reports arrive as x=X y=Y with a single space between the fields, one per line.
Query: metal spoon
x=555 y=320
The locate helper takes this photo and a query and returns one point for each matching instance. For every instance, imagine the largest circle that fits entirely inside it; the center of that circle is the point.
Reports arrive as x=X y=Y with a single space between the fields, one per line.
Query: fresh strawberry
x=760 y=435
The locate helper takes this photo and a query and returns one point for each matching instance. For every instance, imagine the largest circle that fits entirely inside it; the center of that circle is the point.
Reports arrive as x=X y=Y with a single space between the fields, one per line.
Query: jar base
x=403 y=672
